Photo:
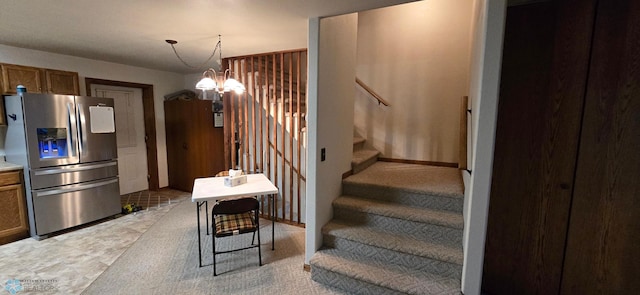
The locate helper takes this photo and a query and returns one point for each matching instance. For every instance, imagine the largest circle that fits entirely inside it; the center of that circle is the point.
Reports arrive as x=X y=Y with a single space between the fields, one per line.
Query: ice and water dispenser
x=52 y=143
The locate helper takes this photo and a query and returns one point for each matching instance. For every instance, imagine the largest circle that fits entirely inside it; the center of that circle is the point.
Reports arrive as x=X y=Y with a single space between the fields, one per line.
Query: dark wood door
x=175 y=127
x=194 y=146
x=544 y=73
x=204 y=153
x=603 y=244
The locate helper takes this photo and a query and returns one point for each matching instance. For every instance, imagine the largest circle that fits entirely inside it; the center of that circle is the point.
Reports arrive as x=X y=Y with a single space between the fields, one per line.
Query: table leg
x=273 y=223
x=206 y=212
x=198 y=204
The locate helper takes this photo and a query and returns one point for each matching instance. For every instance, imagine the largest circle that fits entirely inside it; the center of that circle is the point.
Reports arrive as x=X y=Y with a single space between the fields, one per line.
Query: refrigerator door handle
x=71 y=131
x=57 y=191
x=81 y=124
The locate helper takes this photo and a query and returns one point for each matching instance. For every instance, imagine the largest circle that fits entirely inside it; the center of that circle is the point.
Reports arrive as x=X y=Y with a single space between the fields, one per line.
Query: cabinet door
x=3 y=115
x=201 y=153
x=544 y=71
x=61 y=82
x=14 y=75
x=13 y=220
x=603 y=245
x=176 y=117
x=194 y=147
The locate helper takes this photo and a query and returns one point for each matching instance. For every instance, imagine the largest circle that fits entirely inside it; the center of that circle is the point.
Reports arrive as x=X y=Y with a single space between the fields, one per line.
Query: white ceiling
x=133 y=32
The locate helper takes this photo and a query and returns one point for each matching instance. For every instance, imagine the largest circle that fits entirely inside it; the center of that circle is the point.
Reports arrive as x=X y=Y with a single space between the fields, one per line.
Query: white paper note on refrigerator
x=102 y=120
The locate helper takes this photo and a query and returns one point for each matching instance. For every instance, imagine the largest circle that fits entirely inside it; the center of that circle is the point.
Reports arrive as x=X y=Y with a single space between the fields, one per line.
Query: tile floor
x=69 y=262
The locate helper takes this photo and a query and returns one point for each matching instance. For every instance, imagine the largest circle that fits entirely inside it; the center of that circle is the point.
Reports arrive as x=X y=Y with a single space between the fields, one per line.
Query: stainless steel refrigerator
x=67 y=145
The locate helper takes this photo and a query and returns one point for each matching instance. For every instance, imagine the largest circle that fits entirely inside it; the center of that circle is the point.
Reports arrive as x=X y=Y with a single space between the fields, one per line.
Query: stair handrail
x=465 y=114
x=373 y=93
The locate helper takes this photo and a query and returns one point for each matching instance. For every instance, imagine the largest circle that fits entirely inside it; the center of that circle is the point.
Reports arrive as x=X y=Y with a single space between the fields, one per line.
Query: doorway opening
x=149 y=123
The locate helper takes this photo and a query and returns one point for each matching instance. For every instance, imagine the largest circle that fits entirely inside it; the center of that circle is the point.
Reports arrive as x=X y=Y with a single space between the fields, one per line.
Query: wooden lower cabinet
x=14 y=223
x=194 y=147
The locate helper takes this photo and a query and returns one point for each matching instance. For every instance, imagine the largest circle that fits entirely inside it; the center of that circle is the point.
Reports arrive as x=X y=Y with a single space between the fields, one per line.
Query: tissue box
x=235 y=180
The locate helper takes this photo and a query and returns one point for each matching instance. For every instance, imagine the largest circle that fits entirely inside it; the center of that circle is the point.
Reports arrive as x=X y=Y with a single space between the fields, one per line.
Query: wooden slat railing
x=373 y=93
x=267 y=122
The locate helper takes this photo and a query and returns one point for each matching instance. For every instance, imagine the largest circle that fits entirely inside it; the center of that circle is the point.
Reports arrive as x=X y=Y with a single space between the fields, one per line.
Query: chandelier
x=211 y=79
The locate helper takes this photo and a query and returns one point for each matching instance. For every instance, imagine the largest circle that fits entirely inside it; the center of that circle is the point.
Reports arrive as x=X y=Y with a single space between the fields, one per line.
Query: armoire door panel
x=603 y=244
x=194 y=146
x=544 y=70
x=200 y=134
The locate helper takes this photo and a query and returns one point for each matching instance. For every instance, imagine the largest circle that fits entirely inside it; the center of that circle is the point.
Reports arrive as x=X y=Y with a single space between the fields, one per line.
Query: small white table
x=213 y=189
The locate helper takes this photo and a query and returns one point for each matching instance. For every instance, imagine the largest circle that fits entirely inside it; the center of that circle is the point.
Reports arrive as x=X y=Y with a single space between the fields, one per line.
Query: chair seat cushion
x=233 y=224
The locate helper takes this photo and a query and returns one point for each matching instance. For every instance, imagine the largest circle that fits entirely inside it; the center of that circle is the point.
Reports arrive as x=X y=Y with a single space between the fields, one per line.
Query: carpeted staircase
x=362 y=157
x=397 y=229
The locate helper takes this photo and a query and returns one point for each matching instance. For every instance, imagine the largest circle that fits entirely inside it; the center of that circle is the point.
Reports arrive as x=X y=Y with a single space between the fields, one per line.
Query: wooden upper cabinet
x=61 y=82
x=39 y=80
x=3 y=121
x=14 y=75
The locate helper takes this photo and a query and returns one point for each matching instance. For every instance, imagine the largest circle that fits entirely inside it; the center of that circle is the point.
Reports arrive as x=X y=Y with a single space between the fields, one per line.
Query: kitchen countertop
x=6 y=166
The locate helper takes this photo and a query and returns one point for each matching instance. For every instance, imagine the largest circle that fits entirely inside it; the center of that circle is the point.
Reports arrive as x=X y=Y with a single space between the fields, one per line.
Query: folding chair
x=235 y=217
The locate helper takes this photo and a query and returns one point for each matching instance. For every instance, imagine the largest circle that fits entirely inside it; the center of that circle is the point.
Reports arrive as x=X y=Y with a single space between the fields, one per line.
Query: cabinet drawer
x=8 y=178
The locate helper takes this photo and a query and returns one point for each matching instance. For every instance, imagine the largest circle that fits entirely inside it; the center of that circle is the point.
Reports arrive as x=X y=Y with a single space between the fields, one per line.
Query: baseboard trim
x=427 y=163
x=306 y=267
x=347 y=174
x=285 y=221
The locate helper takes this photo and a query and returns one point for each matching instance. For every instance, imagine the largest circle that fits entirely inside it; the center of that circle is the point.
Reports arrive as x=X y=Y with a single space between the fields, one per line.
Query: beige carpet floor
x=70 y=260
x=164 y=260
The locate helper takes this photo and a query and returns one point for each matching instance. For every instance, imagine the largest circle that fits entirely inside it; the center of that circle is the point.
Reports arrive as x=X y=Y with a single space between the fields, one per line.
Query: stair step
x=394 y=257
x=404 y=243
x=436 y=217
x=442 y=226
x=399 y=196
x=438 y=188
x=346 y=285
x=446 y=181
x=362 y=159
x=358 y=143
x=361 y=156
x=397 y=229
x=364 y=275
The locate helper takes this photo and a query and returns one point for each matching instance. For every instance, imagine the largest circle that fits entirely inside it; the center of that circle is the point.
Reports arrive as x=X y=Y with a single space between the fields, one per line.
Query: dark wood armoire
x=195 y=148
x=564 y=215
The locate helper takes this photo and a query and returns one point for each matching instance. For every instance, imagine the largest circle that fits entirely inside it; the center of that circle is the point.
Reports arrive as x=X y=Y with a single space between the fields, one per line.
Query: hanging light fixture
x=210 y=79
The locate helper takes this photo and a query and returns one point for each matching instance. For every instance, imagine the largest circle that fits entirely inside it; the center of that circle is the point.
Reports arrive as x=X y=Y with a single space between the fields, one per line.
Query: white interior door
x=132 y=148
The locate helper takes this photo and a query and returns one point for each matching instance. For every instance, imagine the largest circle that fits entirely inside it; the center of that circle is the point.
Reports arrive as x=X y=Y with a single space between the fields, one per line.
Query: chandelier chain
x=202 y=66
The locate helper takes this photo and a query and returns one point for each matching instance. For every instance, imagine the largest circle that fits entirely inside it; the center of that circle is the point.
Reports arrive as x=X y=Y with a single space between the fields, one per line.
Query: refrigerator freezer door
x=50 y=128
x=94 y=145
x=67 y=206
x=70 y=174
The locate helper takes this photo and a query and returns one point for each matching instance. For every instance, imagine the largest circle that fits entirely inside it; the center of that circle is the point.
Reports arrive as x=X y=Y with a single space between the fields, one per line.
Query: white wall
x=416 y=56
x=483 y=91
x=190 y=81
x=163 y=83
x=332 y=60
